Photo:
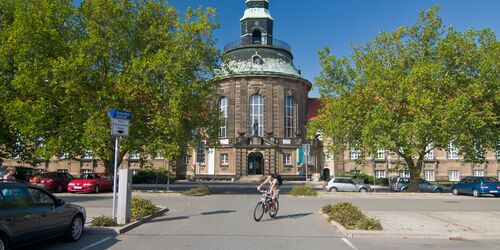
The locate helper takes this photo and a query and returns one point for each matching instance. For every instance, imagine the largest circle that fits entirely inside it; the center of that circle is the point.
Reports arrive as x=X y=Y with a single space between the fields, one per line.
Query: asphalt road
x=226 y=222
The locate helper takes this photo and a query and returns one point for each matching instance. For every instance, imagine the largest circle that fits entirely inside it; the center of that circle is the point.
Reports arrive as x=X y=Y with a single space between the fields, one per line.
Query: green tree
x=417 y=86
x=140 y=56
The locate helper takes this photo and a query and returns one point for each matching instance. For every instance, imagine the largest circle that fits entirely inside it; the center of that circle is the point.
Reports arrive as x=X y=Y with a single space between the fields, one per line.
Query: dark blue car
x=477 y=186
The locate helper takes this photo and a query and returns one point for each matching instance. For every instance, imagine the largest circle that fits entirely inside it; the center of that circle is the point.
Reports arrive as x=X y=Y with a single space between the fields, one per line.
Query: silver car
x=344 y=184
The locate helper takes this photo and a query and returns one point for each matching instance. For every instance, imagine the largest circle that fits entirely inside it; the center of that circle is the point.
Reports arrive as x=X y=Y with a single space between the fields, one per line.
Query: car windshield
x=490 y=179
x=89 y=176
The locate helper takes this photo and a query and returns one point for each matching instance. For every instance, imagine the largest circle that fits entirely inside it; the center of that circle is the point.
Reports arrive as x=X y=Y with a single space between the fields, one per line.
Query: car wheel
x=3 y=244
x=475 y=193
x=404 y=189
x=96 y=189
x=438 y=190
x=455 y=191
x=334 y=189
x=75 y=229
x=363 y=190
x=59 y=188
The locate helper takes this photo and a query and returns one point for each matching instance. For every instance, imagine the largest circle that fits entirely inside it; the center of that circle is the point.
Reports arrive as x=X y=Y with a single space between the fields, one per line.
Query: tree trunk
x=415 y=171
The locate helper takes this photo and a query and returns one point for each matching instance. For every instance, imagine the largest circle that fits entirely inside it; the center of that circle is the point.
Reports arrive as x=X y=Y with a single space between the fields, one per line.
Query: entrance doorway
x=255 y=164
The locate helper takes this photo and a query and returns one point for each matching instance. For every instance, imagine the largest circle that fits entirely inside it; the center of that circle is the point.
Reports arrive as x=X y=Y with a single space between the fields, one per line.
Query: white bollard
x=124 y=197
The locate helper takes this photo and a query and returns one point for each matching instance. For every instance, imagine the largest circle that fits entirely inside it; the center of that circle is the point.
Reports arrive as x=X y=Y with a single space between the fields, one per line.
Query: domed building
x=263 y=99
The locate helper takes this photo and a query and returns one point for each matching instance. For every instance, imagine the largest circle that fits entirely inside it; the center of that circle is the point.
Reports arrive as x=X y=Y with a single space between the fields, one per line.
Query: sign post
x=120 y=121
x=306 y=149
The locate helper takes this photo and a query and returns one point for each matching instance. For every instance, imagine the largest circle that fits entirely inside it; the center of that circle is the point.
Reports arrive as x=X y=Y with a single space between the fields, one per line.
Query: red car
x=53 y=182
x=91 y=182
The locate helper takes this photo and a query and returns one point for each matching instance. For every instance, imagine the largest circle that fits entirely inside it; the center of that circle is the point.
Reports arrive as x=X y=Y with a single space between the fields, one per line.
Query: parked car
x=477 y=186
x=91 y=182
x=22 y=173
x=344 y=184
x=401 y=184
x=29 y=214
x=53 y=181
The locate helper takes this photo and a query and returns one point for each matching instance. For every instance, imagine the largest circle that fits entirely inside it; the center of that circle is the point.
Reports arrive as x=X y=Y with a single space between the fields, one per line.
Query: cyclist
x=274 y=188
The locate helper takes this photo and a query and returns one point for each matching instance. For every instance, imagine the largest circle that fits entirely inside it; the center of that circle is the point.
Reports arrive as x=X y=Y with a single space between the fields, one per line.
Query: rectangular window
x=224 y=159
x=159 y=156
x=287 y=159
x=380 y=154
x=452 y=152
x=479 y=173
x=430 y=153
x=430 y=175
x=326 y=157
x=62 y=170
x=354 y=154
x=186 y=159
x=200 y=153
x=134 y=155
x=289 y=117
x=87 y=155
x=454 y=175
x=64 y=155
x=380 y=173
x=86 y=171
x=223 y=117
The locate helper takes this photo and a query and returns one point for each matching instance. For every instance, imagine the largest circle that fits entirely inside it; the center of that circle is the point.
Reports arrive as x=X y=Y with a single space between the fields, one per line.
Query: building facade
x=263 y=100
x=439 y=164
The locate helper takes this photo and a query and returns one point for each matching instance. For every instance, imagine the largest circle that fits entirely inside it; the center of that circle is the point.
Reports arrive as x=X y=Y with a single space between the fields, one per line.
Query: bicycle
x=266 y=205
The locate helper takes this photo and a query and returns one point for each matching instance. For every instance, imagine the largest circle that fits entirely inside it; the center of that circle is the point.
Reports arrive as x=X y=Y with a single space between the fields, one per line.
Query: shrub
x=351 y=217
x=141 y=208
x=198 y=191
x=103 y=221
x=152 y=176
x=303 y=190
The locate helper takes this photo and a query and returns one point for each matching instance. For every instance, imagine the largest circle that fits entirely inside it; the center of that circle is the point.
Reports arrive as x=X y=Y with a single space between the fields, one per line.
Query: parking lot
x=218 y=221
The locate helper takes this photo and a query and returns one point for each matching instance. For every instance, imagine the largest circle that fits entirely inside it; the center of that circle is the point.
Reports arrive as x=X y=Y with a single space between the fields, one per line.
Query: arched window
x=289 y=117
x=223 y=117
x=256 y=116
x=256 y=37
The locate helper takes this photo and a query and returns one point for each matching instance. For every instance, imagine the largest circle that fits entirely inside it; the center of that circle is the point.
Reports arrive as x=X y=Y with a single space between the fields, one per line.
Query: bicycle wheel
x=274 y=209
x=258 y=212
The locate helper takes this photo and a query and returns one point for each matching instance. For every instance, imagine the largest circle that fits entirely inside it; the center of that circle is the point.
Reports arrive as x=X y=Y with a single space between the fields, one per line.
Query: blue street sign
x=120 y=114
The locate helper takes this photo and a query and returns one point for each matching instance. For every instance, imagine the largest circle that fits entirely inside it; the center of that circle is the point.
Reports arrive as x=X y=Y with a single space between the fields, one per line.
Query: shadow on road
x=288 y=216
x=164 y=219
x=218 y=212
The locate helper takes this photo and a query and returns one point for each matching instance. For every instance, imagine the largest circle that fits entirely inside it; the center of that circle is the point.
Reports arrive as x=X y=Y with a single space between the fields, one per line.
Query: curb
x=126 y=228
x=409 y=235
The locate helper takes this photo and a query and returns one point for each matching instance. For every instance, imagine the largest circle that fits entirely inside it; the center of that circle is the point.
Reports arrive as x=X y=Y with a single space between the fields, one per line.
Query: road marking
x=346 y=241
x=97 y=243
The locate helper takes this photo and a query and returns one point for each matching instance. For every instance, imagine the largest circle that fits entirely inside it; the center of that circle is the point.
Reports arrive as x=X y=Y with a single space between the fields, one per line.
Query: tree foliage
x=64 y=66
x=417 y=86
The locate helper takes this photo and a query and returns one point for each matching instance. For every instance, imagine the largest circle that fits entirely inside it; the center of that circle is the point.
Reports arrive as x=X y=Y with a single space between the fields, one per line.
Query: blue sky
x=338 y=24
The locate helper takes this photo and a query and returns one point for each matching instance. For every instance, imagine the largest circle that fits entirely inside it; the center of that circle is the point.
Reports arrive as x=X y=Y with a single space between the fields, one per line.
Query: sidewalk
x=432 y=225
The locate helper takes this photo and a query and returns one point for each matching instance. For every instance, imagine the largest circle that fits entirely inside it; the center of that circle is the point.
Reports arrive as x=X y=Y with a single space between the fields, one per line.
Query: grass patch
x=302 y=191
x=103 y=221
x=351 y=217
x=198 y=191
x=141 y=208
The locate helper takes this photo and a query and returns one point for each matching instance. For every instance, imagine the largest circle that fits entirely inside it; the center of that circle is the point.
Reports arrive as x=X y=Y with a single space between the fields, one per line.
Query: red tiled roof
x=313 y=105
